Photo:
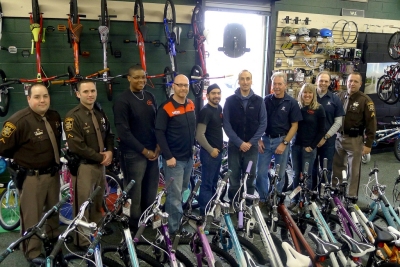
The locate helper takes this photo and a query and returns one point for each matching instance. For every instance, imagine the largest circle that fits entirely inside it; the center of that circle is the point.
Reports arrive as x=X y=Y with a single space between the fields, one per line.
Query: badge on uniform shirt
x=356 y=104
x=57 y=124
x=69 y=124
x=8 y=129
x=371 y=106
x=38 y=132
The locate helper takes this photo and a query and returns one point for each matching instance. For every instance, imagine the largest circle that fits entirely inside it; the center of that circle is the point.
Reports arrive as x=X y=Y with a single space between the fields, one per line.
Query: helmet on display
x=325 y=32
x=302 y=31
x=287 y=31
x=313 y=32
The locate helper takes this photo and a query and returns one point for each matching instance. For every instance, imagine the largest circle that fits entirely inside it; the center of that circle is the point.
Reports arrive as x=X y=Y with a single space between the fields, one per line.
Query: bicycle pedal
x=61 y=28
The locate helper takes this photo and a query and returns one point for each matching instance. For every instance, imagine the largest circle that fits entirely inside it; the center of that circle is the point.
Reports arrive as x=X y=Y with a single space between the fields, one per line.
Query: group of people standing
x=316 y=126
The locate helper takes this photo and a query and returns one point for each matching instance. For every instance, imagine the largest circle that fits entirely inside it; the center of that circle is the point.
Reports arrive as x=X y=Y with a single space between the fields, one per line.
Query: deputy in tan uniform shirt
x=24 y=138
x=83 y=141
x=360 y=120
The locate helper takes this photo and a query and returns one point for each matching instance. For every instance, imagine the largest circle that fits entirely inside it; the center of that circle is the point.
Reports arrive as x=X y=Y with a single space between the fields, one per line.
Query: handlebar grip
x=62 y=201
x=229 y=172
x=57 y=248
x=95 y=241
x=344 y=175
x=277 y=169
x=58 y=82
x=102 y=71
x=325 y=163
x=94 y=193
x=249 y=166
x=129 y=187
x=139 y=233
x=4 y=254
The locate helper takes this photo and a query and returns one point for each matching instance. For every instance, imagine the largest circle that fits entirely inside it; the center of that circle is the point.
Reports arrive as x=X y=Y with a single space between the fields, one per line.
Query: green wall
x=57 y=55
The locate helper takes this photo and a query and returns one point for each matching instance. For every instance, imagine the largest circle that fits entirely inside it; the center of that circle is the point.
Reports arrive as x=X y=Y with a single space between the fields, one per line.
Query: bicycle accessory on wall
x=302 y=31
x=287 y=31
x=234 y=41
x=314 y=32
x=325 y=32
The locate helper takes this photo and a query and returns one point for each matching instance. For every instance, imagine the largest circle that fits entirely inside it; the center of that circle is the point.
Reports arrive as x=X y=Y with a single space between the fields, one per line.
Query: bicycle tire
x=394 y=98
x=198 y=19
x=138 y=11
x=167 y=80
x=384 y=87
x=104 y=13
x=248 y=246
x=35 y=12
x=4 y=96
x=109 y=89
x=142 y=256
x=170 y=15
x=333 y=29
x=9 y=217
x=348 y=36
x=66 y=212
x=397 y=149
x=111 y=193
x=164 y=258
x=73 y=11
x=393 y=46
x=198 y=86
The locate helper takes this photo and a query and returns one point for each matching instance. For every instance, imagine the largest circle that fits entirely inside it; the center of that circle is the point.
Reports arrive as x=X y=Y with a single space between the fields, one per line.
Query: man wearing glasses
x=175 y=131
x=245 y=120
x=135 y=118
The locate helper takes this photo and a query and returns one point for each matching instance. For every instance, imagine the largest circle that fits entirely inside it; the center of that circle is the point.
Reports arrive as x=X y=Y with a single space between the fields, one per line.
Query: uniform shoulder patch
x=8 y=129
x=68 y=124
x=371 y=106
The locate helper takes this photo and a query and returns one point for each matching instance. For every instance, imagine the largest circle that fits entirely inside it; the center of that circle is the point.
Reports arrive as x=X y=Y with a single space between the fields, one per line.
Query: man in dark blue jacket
x=245 y=120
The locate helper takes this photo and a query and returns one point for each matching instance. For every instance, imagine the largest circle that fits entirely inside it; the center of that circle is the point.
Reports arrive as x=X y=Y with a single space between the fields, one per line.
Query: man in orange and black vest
x=175 y=131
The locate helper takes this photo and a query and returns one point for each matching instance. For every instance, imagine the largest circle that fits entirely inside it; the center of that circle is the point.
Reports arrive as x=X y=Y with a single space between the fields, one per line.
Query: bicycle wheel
x=112 y=191
x=169 y=16
x=350 y=35
x=394 y=98
x=248 y=246
x=397 y=149
x=4 y=96
x=384 y=87
x=104 y=13
x=197 y=87
x=35 y=12
x=167 y=82
x=138 y=12
x=114 y=253
x=198 y=20
x=66 y=212
x=73 y=11
x=394 y=46
x=9 y=209
x=109 y=89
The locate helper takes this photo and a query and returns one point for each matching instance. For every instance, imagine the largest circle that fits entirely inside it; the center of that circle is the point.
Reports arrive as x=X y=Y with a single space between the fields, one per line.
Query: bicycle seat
x=357 y=249
x=383 y=236
x=324 y=248
x=177 y=30
x=294 y=258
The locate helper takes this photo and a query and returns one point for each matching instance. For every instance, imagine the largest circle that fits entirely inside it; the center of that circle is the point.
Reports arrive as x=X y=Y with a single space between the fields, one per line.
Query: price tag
x=295 y=192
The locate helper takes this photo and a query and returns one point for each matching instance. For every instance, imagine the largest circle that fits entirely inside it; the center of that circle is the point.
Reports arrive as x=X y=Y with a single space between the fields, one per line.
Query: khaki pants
x=38 y=195
x=88 y=178
x=348 y=153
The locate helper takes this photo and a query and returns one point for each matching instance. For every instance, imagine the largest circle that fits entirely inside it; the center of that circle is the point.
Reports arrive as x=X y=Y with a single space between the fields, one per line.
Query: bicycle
x=104 y=29
x=9 y=206
x=387 y=87
x=393 y=46
x=162 y=247
x=38 y=36
x=35 y=230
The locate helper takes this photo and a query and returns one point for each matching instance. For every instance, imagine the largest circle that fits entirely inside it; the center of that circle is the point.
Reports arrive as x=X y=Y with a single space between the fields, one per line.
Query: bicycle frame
x=38 y=37
x=199 y=37
x=75 y=41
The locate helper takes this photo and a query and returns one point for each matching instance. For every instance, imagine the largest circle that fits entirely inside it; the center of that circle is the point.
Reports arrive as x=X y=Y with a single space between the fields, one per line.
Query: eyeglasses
x=180 y=85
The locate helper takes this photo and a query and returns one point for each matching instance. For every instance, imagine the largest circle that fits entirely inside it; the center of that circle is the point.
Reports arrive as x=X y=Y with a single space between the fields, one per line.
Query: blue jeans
x=325 y=151
x=146 y=174
x=299 y=157
x=210 y=168
x=237 y=163
x=264 y=160
x=173 y=205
